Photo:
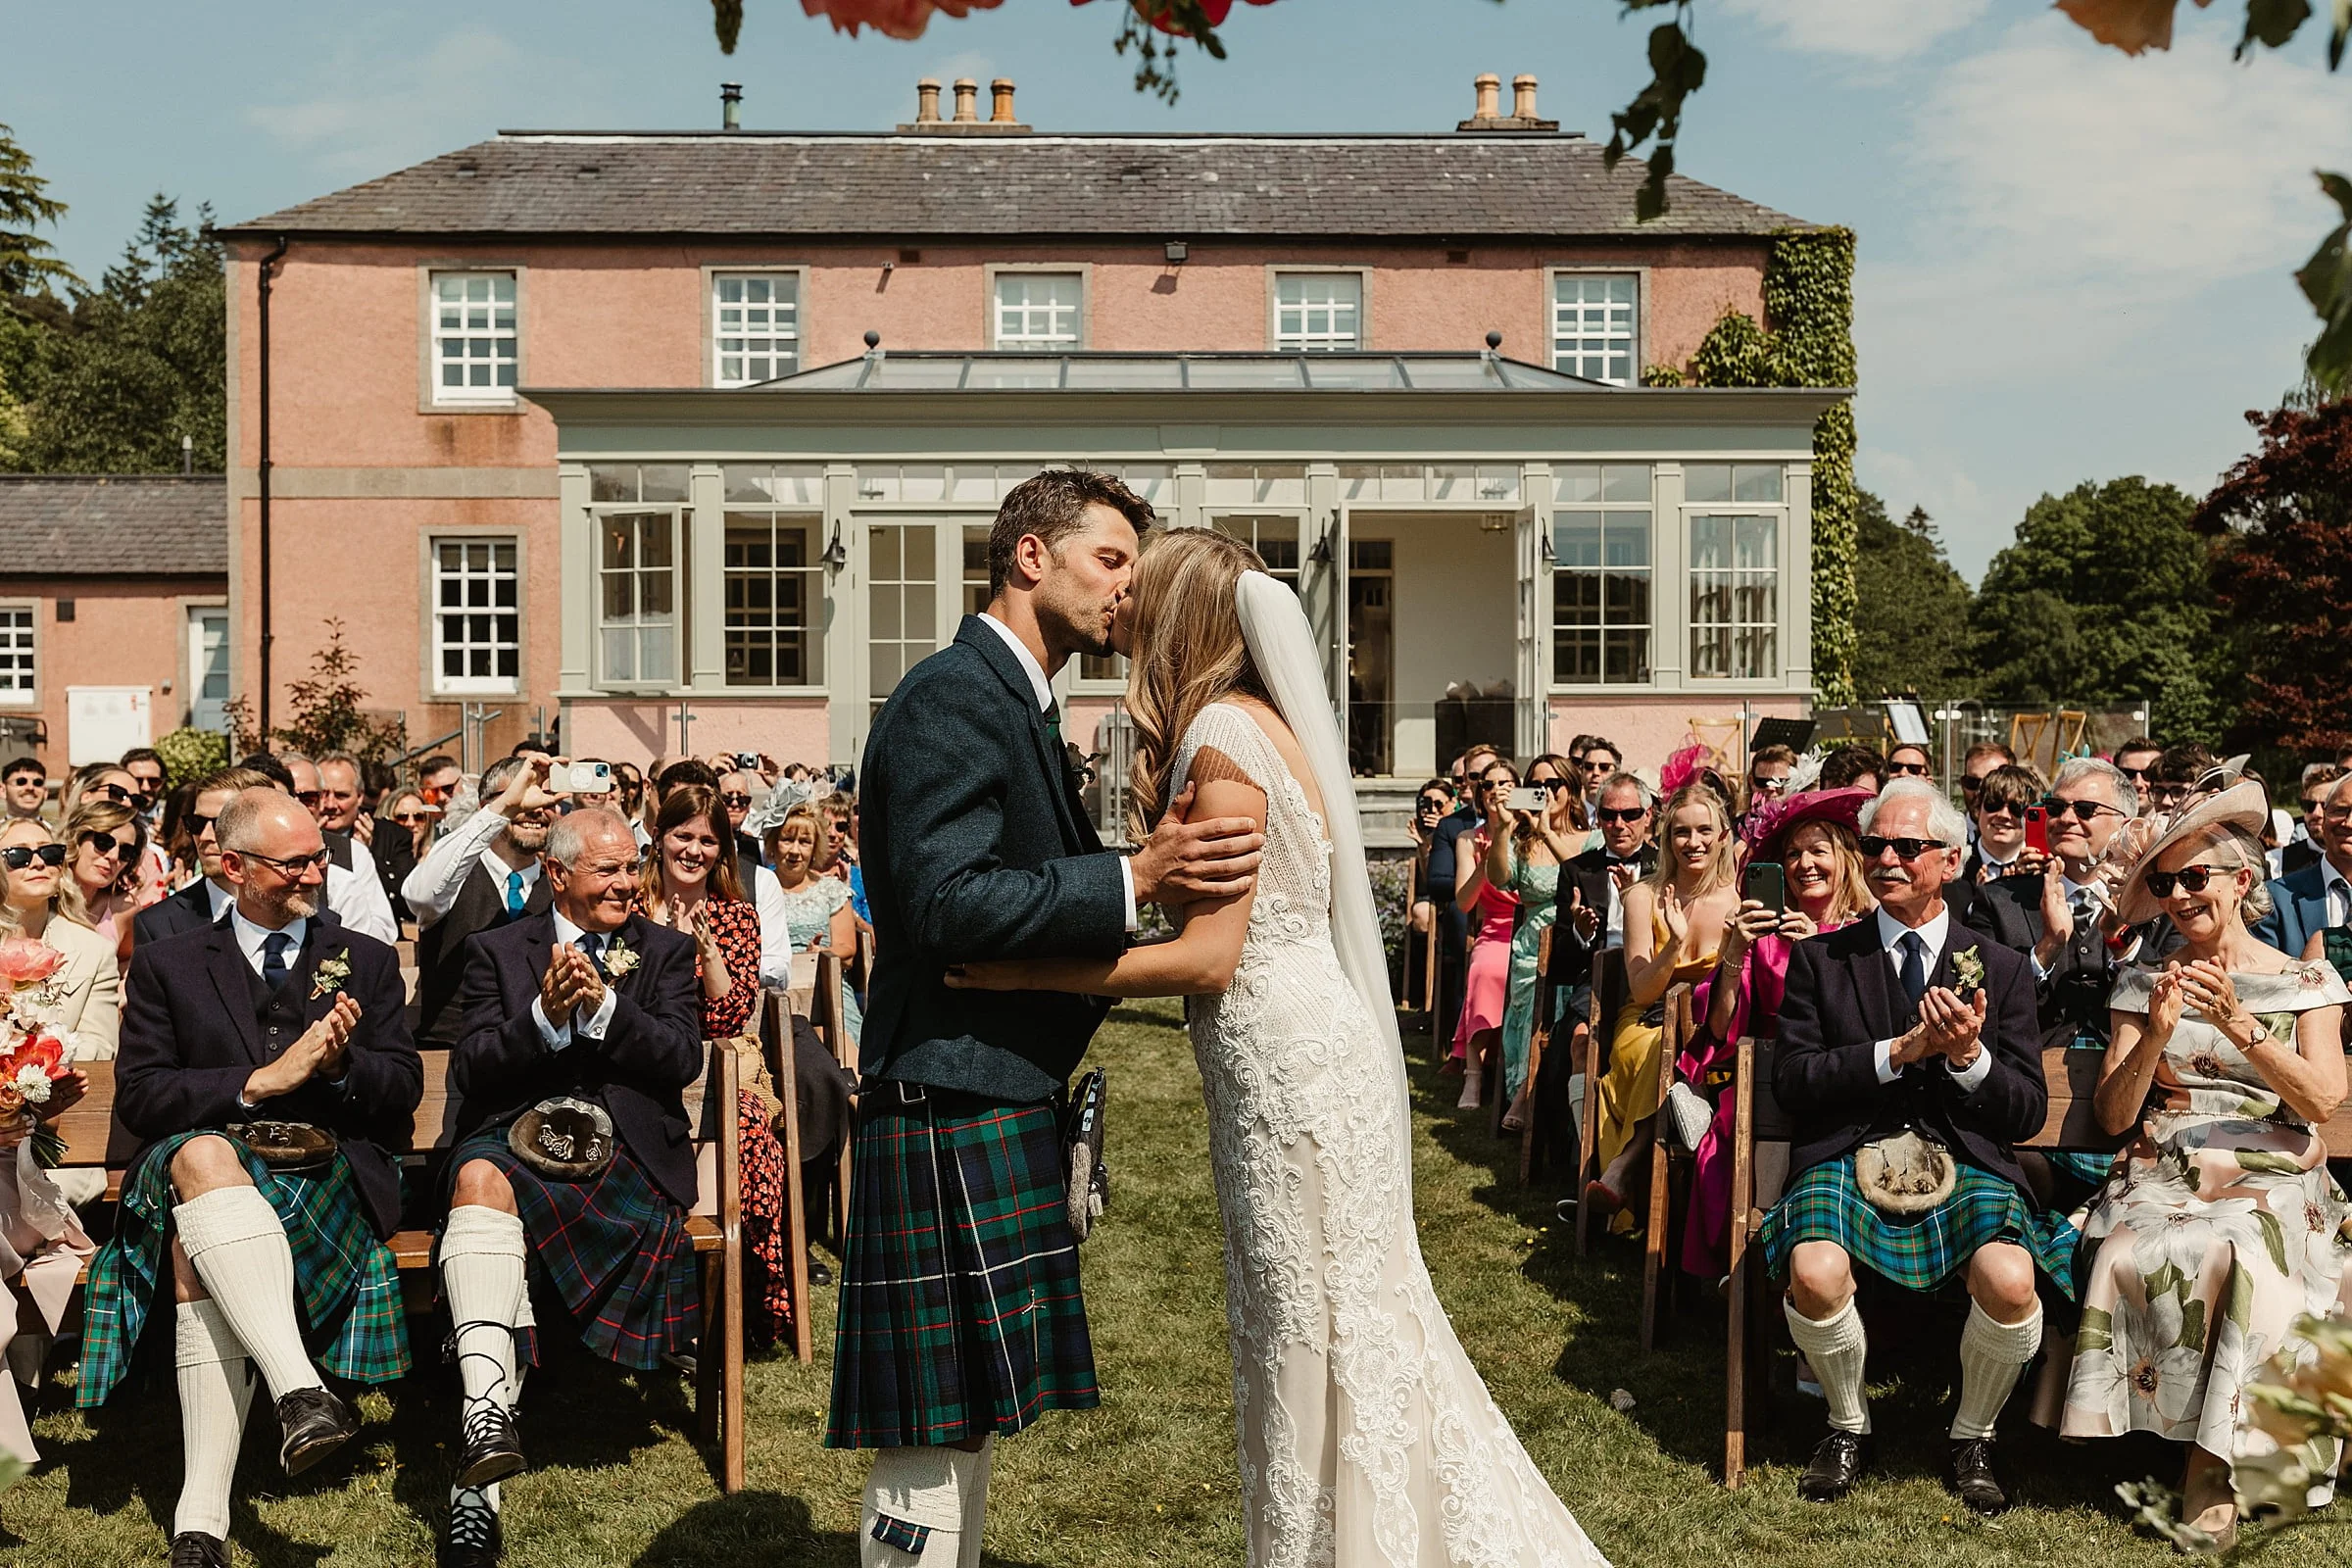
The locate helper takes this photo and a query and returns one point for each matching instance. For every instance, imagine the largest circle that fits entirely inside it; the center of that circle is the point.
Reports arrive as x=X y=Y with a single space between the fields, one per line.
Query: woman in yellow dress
x=1673 y=920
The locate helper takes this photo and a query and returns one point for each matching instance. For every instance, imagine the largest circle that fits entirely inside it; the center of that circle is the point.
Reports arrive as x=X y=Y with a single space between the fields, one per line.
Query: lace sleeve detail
x=1209 y=763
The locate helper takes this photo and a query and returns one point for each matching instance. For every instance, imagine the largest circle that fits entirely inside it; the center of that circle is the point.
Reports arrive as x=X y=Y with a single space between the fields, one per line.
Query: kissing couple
x=1001 y=926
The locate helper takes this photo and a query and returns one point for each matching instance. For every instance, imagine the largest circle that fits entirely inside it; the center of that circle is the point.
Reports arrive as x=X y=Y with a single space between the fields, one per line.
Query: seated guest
x=1998 y=812
x=108 y=841
x=2136 y=760
x=1487 y=978
x=1910 y=1063
x=738 y=789
x=355 y=889
x=2320 y=896
x=1431 y=803
x=82 y=1002
x=1445 y=861
x=2219 y=1226
x=1852 y=767
x=2177 y=769
x=1593 y=886
x=1768 y=776
x=343 y=815
x=2302 y=846
x=1906 y=760
x=1597 y=759
x=588 y=1001
x=276 y=1016
x=480 y=875
x=1811 y=837
x=205 y=901
x=816 y=908
x=25 y=788
x=1974 y=763
x=1525 y=863
x=1673 y=920
x=42 y=1250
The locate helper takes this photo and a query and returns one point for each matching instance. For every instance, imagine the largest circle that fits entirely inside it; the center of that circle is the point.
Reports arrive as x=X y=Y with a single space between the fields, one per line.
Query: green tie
x=1053 y=722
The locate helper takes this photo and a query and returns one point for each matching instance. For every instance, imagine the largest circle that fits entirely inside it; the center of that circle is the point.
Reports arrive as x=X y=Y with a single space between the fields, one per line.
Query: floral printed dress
x=2215 y=1231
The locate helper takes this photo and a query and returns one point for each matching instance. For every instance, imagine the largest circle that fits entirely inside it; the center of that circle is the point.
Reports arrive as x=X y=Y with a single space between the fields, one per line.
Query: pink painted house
x=664 y=432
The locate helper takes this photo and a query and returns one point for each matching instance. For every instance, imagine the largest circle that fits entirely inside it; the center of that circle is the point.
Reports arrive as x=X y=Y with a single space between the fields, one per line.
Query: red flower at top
x=45 y=1052
x=1163 y=16
x=27 y=962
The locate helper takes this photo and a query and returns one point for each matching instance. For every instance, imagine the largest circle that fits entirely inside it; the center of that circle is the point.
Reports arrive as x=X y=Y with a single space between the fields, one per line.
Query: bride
x=1366 y=1436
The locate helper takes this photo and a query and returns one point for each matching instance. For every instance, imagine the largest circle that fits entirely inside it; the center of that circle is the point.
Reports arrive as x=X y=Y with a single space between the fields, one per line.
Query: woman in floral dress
x=2218 y=1225
x=816 y=907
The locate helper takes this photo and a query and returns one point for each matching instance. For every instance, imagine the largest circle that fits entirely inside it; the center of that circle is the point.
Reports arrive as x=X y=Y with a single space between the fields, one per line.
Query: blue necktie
x=1915 y=965
x=274 y=959
x=593 y=944
x=516 y=897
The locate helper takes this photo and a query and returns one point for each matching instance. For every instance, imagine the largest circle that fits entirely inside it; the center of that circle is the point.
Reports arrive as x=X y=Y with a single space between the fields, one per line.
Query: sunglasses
x=2188 y=879
x=2138 y=775
x=1435 y=802
x=1621 y=813
x=17 y=856
x=1915 y=769
x=2083 y=810
x=734 y=799
x=199 y=824
x=113 y=792
x=26 y=781
x=108 y=843
x=408 y=818
x=1770 y=786
x=1556 y=786
x=1873 y=846
x=2167 y=794
x=310 y=798
x=1970 y=785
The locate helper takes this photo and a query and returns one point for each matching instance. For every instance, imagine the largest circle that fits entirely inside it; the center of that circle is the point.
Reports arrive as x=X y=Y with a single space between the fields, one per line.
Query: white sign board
x=102 y=722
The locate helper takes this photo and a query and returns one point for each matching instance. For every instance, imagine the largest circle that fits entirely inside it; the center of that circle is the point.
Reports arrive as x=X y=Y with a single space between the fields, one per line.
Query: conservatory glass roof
x=934 y=370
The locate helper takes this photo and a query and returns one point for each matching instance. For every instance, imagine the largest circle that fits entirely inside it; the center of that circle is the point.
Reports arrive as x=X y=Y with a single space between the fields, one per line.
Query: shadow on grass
x=761 y=1527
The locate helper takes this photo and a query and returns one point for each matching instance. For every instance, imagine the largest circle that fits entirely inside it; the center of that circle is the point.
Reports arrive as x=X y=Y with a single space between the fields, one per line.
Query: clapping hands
x=1950 y=1027
x=570 y=983
x=323 y=1051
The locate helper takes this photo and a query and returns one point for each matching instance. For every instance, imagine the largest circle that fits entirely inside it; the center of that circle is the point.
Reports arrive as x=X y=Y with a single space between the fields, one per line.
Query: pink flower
x=2130 y=25
x=893 y=19
x=25 y=962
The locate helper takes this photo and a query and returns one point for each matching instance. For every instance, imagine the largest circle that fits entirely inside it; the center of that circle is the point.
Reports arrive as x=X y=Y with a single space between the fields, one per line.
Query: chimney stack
x=1489 y=115
x=1001 y=120
x=730 y=106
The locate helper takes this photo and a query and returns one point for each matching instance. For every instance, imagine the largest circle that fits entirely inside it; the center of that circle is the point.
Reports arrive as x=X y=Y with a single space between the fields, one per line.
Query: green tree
x=25 y=261
x=2103 y=599
x=110 y=384
x=1911 y=609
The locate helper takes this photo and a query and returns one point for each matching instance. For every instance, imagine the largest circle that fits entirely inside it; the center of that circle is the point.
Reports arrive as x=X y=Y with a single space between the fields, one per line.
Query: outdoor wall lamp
x=1177 y=252
x=837 y=553
x=1320 y=555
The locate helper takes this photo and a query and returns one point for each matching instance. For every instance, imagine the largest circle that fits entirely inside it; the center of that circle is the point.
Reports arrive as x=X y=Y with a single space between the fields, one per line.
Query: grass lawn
x=1149 y=1477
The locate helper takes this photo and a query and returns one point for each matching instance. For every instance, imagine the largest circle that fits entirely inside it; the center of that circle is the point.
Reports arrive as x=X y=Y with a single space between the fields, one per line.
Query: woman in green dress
x=1526 y=863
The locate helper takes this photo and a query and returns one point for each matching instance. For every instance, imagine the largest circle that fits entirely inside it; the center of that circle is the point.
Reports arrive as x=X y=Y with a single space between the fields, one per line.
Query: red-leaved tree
x=2283 y=573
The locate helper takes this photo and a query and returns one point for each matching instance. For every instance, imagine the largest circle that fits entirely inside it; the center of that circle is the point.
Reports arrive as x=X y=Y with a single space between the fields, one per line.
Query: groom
x=960 y=1313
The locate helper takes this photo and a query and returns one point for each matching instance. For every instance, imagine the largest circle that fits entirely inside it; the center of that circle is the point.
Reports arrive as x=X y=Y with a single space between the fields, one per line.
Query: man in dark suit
x=203 y=902
x=1908 y=1042
x=585 y=1002
x=480 y=874
x=1593 y=886
x=270 y=1239
x=2318 y=897
x=962 y=1316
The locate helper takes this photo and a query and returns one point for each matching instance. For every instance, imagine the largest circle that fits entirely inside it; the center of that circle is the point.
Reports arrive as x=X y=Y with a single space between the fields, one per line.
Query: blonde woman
x=816 y=906
x=105 y=842
x=1674 y=927
x=1310 y=1137
x=84 y=997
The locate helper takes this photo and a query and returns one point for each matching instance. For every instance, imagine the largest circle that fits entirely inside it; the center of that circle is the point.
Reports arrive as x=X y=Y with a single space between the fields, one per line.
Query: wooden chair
x=776 y=1039
x=1760 y=1133
x=1592 y=1045
x=1666 y=1163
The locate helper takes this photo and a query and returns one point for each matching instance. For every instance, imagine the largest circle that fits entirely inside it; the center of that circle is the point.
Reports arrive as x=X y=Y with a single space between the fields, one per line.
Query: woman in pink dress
x=1487 y=984
x=1812 y=838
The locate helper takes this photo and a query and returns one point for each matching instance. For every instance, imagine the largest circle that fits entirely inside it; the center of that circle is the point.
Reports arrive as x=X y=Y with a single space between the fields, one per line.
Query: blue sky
x=2074 y=265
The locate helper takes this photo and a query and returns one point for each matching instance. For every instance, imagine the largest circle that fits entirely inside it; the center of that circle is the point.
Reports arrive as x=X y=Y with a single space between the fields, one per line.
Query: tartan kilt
x=1825 y=1203
x=613 y=1249
x=960 y=1310
x=346 y=1282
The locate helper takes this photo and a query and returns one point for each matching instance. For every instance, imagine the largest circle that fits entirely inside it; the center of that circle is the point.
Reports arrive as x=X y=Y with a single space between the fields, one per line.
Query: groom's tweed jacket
x=977 y=846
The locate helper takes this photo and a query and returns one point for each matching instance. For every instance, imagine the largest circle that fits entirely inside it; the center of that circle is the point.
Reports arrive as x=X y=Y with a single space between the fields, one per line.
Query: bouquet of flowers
x=32 y=1057
x=2305 y=1407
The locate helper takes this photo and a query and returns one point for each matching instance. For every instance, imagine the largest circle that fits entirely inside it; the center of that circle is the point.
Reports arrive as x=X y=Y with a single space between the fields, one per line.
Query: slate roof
x=1460 y=185
x=113 y=525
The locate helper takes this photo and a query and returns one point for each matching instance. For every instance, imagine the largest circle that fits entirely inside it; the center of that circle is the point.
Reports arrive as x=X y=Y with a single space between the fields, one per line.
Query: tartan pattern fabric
x=909 y=1538
x=613 y=1249
x=1825 y=1204
x=347 y=1285
x=960 y=1308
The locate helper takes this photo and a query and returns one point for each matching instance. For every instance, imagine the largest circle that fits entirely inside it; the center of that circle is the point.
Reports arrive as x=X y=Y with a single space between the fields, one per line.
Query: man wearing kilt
x=1910 y=1058
x=961 y=1318
x=269 y=1236
x=592 y=1005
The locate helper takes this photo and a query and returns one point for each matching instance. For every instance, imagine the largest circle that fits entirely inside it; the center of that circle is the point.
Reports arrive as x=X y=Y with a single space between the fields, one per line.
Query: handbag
x=287 y=1147
x=1906 y=1175
x=1088 y=1186
x=565 y=1138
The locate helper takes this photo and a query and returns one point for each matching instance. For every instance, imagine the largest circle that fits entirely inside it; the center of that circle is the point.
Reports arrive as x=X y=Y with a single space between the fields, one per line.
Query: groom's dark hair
x=1052 y=505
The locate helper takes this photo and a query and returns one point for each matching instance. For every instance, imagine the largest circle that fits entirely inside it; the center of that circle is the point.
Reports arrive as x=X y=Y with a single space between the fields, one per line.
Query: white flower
x=32 y=1084
x=2167 y=1380
x=2183 y=1235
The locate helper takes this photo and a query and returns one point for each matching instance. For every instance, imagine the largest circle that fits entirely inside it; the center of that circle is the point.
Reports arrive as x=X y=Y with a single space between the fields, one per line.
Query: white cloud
x=379 y=113
x=1870 y=30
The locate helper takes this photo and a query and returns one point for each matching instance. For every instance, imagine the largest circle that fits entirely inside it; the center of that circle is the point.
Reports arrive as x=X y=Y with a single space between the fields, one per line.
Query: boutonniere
x=1969 y=968
x=619 y=959
x=328 y=978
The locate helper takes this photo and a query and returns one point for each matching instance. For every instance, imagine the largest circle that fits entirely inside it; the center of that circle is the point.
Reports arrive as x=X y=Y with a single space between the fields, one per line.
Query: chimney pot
x=1000 y=92
x=926 y=101
x=1490 y=95
x=730 y=106
x=1523 y=97
x=967 y=101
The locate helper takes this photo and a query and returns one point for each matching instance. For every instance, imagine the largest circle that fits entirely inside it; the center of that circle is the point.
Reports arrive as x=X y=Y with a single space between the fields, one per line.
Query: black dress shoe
x=493 y=1446
x=474 y=1539
x=818 y=1272
x=1836 y=1464
x=1973 y=1478
x=316 y=1424
x=193 y=1548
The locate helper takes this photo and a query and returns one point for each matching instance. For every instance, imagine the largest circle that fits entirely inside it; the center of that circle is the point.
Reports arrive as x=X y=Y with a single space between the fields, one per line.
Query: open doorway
x=1435 y=616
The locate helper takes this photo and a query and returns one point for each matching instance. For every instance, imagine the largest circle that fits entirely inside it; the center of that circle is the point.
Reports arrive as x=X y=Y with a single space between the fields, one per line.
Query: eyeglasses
x=2083 y=810
x=734 y=799
x=292 y=866
x=1873 y=846
x=1914 y=770
x=2188 y=879
x=2337 y=814
x=17 y=856
x=1621 y=813
x=408 y=818
x=1768 y=785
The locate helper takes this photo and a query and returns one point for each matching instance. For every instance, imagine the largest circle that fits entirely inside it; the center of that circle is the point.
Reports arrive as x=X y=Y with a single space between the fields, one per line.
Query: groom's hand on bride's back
x=1184 y=861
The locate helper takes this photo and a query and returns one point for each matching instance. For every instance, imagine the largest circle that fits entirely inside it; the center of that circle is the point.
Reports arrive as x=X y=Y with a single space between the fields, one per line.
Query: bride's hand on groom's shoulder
x=1182 y=862
x=990 y=974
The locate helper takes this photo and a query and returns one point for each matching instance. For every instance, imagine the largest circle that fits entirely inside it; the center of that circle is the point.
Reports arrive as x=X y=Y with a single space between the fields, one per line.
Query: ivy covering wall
x=1807 y=339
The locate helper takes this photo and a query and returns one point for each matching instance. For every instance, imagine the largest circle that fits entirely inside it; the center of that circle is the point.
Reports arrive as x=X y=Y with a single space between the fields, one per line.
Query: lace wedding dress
x=1367 y=1438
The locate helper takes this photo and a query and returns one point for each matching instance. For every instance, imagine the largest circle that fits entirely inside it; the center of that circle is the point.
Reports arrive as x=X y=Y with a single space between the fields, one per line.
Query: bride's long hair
x=1187 y=652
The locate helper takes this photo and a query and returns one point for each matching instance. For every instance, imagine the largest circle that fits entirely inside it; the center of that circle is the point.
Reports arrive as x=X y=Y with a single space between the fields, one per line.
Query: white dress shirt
x=220 y=899
x=251 y=937
x=1933 y=934
x=592 y=1027
x=776 y=930
x=1044 y=691
x=358 y=898
x=433 y=886
x=2339 y=893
